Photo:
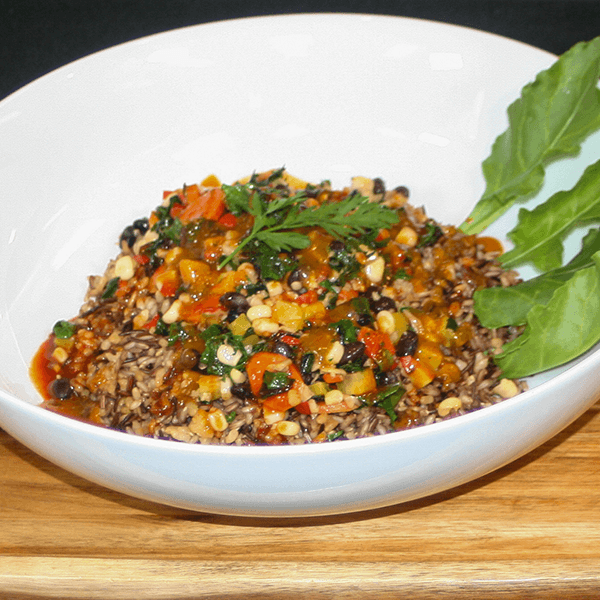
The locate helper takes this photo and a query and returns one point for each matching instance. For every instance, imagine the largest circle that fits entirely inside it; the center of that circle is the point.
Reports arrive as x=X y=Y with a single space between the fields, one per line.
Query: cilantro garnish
x=278 y=216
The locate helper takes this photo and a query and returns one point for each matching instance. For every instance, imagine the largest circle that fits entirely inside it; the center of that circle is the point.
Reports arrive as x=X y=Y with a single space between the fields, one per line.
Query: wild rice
x=125 y=367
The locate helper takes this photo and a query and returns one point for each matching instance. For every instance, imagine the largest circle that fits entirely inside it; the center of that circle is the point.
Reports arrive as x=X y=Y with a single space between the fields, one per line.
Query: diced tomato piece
x=208 y=205
x=290 y=340
x=309 y=297
x=303 y=408
x=228 y=220
x=332 y=378
x=378 y=347
x=166 y=280
x=278 y=403
x=256 y=368
x=152 y=323
x=141 y=259
x=346 y=295
x=258 y=364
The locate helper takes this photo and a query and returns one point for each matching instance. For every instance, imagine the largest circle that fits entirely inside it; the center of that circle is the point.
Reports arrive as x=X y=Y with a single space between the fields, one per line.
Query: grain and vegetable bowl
x=272 y=311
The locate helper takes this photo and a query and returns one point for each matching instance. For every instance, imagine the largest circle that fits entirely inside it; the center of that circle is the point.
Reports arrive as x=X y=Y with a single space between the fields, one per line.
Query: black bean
x=407 y=345
x=378 y=186
x=128 y=236
x=296 y=276
x=403 y=190
x=353 y=352
x=141 y=225
x=337 y=246
x=61 y=389
x=241 y=390
x=306 y=364
x=382 y=303
x=385 y=378
x=283 y=349
x=371 y=291
x=234 y=301
x=364 y=320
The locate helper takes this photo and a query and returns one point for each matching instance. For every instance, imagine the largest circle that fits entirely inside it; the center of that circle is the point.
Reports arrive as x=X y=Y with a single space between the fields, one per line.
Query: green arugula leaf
x=554 y=114
x=500 y=306
x=574 y=313
x=539 y=235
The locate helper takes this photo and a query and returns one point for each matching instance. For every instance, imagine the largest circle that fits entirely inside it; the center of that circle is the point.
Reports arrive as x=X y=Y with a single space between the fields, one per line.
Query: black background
x=36 y=36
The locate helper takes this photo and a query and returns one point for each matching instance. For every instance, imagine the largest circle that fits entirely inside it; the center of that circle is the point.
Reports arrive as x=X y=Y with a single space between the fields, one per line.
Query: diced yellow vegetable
x=319 y=388
x=314 y=312
x=288 y=314
x=193 y=271
x=356 y=384
x=240 y=325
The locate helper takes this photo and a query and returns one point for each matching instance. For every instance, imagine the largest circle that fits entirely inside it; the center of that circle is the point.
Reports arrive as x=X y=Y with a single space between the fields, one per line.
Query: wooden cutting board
x=530 y=530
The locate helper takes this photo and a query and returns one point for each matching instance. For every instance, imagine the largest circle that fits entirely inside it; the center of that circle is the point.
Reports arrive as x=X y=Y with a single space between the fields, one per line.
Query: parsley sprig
x=278 y=216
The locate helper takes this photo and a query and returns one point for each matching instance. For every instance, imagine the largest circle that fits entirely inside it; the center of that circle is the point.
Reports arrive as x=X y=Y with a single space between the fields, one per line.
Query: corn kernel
x=446 y=406
x=217 y=420
x=200 y=425
x=386 y=322
x=288 y=428
x=125 y=268
x=407 y=236
x=334 y=397
x=506 y=388
x=260 y=311
x=60 y=355
x=374 y=269
x=265 y=327
x=172 y=314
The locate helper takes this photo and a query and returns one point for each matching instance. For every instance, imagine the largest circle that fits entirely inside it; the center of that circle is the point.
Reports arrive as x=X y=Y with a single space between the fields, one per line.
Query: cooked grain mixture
x=276 y=312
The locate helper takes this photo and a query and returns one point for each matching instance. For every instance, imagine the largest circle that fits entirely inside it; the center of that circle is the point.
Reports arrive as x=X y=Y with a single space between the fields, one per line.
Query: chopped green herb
x=402 y=274
x=387 y=398
x=431 y=236
x=215 y=336
x=276 y=383
x=346 y=330
x=64 y=330
x=111 y=287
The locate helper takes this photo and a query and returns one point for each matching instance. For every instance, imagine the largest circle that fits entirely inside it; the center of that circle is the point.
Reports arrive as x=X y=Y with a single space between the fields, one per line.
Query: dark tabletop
x=36 y=36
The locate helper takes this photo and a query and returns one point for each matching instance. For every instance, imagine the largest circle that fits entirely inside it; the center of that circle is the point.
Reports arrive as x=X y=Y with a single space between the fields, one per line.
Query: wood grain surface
x=528 y=531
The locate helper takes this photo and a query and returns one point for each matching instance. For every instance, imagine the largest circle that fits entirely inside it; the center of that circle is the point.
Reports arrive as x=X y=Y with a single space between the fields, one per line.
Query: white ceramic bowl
x=91 y=146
